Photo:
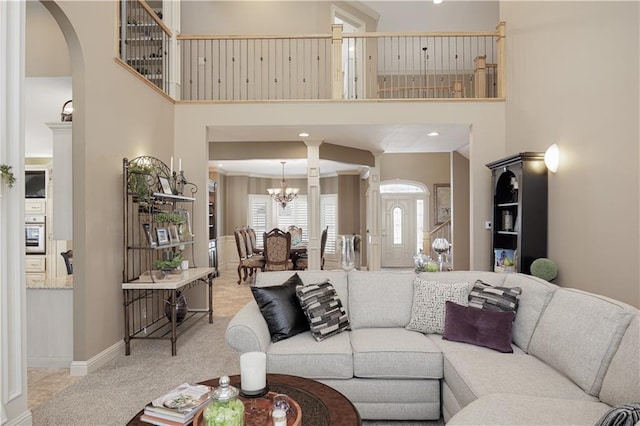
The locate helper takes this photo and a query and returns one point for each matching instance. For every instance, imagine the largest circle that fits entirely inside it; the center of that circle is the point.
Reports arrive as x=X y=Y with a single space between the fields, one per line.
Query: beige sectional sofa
x=575 y=354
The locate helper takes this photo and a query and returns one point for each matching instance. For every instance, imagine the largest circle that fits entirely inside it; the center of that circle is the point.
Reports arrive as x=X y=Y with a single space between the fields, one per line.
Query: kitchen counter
x=59 y=283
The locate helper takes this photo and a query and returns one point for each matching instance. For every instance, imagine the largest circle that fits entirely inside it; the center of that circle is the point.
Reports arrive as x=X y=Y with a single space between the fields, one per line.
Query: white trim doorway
x=404 y=215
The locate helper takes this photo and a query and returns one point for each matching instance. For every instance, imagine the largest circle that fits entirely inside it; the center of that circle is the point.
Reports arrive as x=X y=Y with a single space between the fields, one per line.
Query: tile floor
x=228 y=298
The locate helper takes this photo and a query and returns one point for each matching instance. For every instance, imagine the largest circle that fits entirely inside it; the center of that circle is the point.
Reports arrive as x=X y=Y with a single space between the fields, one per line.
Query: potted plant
x=139 y=181
x=7 y=175
x=171 y=218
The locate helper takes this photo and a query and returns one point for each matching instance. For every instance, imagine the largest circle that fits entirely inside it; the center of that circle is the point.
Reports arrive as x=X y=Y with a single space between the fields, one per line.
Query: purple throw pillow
x=479 y=327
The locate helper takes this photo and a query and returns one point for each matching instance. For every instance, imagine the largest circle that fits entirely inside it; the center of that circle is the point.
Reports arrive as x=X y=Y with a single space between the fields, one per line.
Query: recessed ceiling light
x=433 y=134
x=437 y=1
x=303 y=134
x=220 y=165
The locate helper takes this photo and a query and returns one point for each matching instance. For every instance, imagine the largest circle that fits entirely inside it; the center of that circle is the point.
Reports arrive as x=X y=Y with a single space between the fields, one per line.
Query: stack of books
x=177 y=407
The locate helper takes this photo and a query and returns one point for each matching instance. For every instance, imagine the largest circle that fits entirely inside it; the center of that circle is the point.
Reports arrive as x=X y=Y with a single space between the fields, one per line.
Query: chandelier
x=283 y=195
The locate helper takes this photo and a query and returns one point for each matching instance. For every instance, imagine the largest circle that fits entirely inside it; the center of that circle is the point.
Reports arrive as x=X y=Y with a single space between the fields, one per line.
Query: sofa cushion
x=479 y=327
x=536 y=294
x=494 y=298
x=471 y=375
x=323 y=309
x=621 y=384
x=428 y=307
x=578 y=334
x=337 y=277
x=447 y=346
x=302 y=355
x=394 y=353
x=280 y=308
x=468 y=276
x=380 y=299
x=510 y=409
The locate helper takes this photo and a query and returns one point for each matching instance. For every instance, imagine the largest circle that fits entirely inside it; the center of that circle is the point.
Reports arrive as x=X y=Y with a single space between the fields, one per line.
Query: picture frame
x=174 y=237
x=163 y=236
x=441 y=202
x=147 y=232
x=165 y=185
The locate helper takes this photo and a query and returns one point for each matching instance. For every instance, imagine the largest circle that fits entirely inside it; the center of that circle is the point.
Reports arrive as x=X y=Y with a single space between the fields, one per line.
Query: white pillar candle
x=253 y=371
x=171 y=168
x=179 y=165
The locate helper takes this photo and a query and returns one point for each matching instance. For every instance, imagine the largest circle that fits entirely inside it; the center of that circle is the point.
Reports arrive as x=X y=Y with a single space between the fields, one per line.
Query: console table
x=144 y=301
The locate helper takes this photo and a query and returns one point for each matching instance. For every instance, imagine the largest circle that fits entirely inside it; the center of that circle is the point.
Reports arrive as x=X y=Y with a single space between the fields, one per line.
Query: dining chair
x=277 y=246
x=68 y=260
x=323 y=245
x=296 y=235
x=247 y=264
x=302 y=262
x=252 y=235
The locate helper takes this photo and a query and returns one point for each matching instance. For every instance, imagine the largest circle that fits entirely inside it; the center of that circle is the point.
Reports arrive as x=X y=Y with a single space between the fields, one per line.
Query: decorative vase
x=181 y=308
x=348 y=260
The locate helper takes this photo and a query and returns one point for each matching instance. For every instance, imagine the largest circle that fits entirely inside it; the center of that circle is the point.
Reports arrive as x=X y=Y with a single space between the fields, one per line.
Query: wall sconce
x=552 y=158
x=67 y=111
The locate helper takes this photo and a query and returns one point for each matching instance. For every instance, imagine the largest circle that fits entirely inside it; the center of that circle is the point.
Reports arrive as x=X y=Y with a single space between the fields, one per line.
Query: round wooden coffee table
x=320 y=404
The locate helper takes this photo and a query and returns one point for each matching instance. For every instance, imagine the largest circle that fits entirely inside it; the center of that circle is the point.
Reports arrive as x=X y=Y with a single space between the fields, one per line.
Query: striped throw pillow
x=323 y=308
x=491 y=298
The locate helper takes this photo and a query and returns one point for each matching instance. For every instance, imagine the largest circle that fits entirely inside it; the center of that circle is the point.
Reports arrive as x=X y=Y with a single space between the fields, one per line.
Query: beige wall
x=428 y=169
x=589 y=107
x=275 y=17
x=46 y=50
x=115 y=116
x=348 y=204
x=461 y=212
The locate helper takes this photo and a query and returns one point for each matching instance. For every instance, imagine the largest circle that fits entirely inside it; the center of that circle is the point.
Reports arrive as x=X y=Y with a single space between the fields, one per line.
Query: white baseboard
x=82 y=368
x=24 y=419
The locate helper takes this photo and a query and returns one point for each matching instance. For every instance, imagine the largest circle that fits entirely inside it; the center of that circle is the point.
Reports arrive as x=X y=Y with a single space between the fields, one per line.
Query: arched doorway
x=404 y=217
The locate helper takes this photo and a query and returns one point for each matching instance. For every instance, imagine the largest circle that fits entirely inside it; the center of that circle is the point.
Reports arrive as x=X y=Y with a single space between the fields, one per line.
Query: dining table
x=297 y=251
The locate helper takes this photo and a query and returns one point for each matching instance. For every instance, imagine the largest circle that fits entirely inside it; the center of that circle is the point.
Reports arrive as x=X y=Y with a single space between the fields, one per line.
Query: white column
x=373 y=217
x=171 y=18
x=13 y=341
x=313 y=202
x=336 y=58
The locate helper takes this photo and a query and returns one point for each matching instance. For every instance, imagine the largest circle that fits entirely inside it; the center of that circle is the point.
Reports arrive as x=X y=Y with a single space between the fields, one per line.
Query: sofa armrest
x=247 y=331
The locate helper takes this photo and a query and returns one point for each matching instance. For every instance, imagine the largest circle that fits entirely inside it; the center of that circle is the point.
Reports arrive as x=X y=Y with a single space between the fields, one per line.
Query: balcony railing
x=337 y=65
x=342 y=66
x=144 y=43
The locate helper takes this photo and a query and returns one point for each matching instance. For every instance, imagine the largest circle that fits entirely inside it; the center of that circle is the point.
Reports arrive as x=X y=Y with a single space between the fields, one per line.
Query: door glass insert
x=397 y=225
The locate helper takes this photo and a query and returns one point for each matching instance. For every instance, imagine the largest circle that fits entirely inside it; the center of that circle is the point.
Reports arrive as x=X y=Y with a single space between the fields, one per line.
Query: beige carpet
x=116 y=392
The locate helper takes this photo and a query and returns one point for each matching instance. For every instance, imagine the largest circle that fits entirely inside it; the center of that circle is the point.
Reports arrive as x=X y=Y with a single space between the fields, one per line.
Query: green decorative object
x=140 y=180
x=168 y=217
x=544 y=268
x=168 y=265
x=7 y=175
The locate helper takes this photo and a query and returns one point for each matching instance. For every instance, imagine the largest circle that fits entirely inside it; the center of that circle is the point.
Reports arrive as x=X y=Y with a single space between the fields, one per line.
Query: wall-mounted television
x=35 y=184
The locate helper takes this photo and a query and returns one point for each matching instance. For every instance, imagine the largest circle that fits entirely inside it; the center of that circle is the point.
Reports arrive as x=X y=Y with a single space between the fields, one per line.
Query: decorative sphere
x=544 y=268
x=440 y=245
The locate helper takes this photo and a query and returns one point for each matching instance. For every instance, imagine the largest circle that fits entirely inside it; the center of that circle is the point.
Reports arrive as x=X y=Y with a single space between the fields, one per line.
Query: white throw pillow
x=429 y=301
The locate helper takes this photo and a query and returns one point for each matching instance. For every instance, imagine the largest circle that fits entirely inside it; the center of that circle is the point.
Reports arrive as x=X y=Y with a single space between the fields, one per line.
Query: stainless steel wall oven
x=35 y=235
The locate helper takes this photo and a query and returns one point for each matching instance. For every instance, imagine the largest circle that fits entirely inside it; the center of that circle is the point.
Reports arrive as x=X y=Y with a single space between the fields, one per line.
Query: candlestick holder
x=178 y=182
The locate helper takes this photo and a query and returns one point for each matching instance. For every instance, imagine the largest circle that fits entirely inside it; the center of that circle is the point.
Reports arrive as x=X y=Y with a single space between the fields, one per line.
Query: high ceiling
x=393 y=138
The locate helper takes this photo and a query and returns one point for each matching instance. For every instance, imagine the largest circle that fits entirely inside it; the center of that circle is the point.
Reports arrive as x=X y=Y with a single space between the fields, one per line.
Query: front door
x=398 y=231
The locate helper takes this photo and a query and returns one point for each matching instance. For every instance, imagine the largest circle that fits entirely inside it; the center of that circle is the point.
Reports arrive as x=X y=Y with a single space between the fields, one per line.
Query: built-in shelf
x=519 y=185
